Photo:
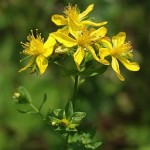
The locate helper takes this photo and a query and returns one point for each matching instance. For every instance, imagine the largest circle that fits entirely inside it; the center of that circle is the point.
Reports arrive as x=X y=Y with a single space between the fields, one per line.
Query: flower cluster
x=79 y=37
x=66 y=119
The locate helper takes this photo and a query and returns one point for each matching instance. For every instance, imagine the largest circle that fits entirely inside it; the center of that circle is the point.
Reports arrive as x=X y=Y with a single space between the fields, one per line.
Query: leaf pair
x=67 y=119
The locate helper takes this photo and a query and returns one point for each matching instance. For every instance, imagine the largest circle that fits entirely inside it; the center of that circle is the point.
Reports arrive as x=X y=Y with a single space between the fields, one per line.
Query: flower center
x=123 y=50
x=84 y=37
x=64 y=122
x=34 y=46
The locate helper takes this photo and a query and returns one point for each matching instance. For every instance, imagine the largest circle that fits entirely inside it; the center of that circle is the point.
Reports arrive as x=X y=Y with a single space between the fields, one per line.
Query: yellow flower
x=84 y=39
x=38 y=51
x=118 y=50
x=73 y=13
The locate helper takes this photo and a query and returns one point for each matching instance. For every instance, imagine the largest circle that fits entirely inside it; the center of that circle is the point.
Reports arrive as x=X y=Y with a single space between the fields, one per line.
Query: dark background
x=120 y=110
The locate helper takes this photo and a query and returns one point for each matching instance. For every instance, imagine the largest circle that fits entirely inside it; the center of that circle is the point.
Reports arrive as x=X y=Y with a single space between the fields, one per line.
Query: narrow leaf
x=69 y=109
x=26 y=97
x=77 y=117
x=58 y=113
x=95 y=71
x=53 y=119
x=44 y=100
x=23 y=111
x=79 y=114
x=93 y=145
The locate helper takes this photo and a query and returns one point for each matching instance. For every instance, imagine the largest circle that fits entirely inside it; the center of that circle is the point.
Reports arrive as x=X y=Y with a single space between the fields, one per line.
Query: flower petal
x=106 y=43
x=59 y=20
x=87 y=11
x=92 y=51
x=78 y=56
x=48 y=46
x=104 y=52
x=42 y=63
x=90 y=23
x=64 y=39
x=115 y=67
x=28 y=65
x=74 y=27
x=64 y=30
x=132 y=66
x=119 y=39
x=101 y=32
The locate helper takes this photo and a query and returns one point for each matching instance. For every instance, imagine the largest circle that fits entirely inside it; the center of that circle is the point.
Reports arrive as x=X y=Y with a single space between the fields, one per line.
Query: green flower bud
x=22 y=96
x=54 y=123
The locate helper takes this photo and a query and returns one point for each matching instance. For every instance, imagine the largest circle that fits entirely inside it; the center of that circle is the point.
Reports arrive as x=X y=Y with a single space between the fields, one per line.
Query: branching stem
x=36 y=110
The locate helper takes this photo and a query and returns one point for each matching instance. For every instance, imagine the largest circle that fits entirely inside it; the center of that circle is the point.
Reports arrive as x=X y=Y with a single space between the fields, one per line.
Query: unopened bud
x=53 y=123
x=22 y=96
x=16 y=95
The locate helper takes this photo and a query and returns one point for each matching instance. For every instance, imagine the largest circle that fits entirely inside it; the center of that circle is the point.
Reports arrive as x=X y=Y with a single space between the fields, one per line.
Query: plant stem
x=36 y=110
x=76 y=81
x=66 y=142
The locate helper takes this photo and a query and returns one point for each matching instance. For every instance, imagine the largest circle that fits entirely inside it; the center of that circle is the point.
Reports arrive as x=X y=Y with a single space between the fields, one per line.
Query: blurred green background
x=120 y=110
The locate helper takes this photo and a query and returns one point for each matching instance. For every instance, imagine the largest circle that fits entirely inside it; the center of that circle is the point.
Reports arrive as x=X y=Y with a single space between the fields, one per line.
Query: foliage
x=120 y=110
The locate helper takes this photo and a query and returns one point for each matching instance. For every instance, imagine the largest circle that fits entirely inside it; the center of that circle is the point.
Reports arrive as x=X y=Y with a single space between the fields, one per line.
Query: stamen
x=31 y=33
x=36 y=31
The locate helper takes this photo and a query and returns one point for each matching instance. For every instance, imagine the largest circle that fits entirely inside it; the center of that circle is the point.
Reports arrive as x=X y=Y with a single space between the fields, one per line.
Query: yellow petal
x=132 y=66
x=90 y=23
x=119 y=39
x=64 y=30
x=73 y=24
x=48 y=46
x=64 y=39
x=87 y=11
x=115 y=67
x=42 y=63
x=92 y=51
x=120 y=77
x=59 y=20
x=106 y=43
x=101 y=32
x=104 y=52
x=78 y=56
x=74 y=27
x=28 y=65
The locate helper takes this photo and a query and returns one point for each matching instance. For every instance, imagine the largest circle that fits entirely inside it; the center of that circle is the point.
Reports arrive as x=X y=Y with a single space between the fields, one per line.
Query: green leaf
x=92 y=132
x=53 y=119
x=58 y=113
x=66 y=71
x=77 y=117
x=83 y=140
x=44 y=100
x=26 y=112
x=79 y=114
x=25 y=95
x=69 y=110
x=95 y=71
x=93 y=145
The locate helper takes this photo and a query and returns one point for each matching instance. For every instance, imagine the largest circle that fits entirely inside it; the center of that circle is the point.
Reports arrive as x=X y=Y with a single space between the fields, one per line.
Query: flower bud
x=22 y=96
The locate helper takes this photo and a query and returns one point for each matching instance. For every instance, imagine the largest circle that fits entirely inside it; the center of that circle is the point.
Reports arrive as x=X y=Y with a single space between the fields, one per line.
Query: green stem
x=76 y=81
x=66 y=142
x=36 y=110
